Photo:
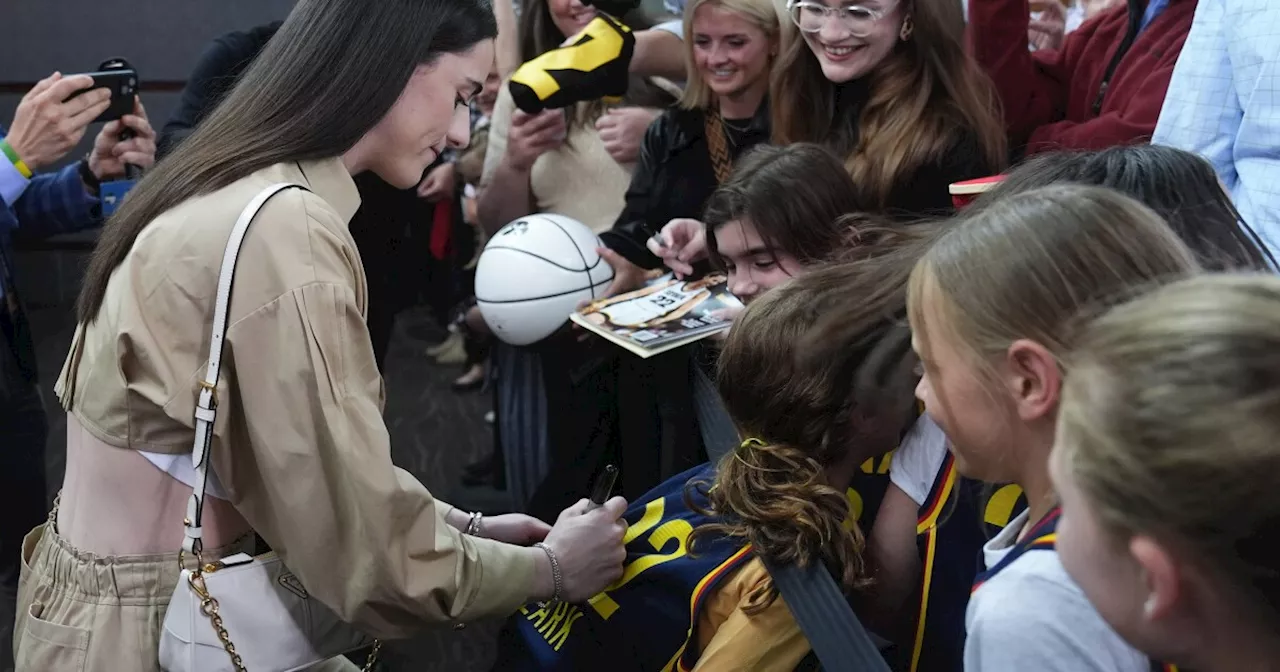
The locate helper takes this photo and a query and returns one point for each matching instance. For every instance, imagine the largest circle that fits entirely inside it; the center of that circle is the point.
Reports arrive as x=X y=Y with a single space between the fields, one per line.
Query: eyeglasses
x=810 y=17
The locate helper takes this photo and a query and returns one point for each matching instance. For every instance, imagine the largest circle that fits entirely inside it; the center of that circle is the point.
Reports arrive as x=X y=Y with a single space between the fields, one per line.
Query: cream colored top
x=578 y=180
x=299 y=444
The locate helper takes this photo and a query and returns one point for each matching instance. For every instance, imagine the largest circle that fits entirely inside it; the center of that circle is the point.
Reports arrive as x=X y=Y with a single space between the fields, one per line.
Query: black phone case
x=121 y=79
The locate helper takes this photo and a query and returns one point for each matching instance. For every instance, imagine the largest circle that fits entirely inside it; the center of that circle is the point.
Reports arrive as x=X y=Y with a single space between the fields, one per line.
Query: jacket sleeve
x=638 y=220
x=1032 y=86
x=1134 y=123
x=55 y=203
x=307 y=460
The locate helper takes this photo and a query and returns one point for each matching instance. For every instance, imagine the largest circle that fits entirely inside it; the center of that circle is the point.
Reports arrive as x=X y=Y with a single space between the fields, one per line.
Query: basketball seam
x=585 y=268
x=545 y=296
x=549 y=261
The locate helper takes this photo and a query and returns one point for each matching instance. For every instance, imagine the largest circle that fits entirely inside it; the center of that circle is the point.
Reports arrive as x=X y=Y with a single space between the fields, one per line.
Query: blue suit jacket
x=53 y=203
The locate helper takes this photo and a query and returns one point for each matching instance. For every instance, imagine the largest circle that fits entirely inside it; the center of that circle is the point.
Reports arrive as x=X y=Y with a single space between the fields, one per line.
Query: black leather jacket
x=674 y=178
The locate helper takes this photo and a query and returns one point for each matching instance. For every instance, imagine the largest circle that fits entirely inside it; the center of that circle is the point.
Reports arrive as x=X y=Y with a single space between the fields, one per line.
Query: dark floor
x=434 y=433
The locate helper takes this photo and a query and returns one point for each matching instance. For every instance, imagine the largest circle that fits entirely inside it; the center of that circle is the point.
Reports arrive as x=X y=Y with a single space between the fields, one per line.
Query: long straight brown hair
x=927 y=95
x=328 y=76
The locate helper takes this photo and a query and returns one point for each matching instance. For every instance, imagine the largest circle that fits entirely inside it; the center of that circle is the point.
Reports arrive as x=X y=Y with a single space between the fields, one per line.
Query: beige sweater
x=578 y=180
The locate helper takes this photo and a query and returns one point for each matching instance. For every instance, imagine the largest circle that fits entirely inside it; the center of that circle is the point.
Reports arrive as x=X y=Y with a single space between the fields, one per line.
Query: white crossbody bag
x=241 y=612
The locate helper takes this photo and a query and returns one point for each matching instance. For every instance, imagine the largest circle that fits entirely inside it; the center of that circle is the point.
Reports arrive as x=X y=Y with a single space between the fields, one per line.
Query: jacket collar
x=329 y=179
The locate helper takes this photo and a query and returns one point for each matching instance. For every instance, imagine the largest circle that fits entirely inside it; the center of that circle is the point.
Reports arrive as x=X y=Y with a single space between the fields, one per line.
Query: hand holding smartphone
x=121 y=79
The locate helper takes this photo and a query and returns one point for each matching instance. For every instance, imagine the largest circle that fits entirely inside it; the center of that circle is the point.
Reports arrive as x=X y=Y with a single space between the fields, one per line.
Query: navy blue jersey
x=956 y=519
x=645 y=620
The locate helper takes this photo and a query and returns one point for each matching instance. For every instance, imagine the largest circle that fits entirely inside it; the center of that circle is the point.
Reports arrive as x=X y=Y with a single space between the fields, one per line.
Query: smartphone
x=121 y=79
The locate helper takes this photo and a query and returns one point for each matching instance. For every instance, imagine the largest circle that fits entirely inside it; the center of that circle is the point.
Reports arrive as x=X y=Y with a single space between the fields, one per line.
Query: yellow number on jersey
x=673 y=530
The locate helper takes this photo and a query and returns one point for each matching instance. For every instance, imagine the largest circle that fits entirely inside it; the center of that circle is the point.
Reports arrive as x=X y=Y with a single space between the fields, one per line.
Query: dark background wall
x=162 y=38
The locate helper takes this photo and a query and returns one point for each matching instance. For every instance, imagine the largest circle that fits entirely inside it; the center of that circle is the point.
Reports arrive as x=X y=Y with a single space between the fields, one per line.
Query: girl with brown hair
x=993 y=306
x=783 y=210
x=889 y=87
x=700 y=538
x=1165 y=459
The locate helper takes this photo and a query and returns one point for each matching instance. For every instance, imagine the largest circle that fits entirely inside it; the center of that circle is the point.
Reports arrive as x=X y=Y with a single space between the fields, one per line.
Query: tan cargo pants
x=81 y=612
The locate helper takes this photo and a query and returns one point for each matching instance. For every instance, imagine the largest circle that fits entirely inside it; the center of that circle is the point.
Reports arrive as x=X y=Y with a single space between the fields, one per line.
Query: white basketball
x=534 y=272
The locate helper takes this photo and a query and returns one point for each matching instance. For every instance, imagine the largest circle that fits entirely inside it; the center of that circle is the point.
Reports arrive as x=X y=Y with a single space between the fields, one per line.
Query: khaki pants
x=78 y=611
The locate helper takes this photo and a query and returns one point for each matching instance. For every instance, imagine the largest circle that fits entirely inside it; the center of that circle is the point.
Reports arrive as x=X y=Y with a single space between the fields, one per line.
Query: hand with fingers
x=47 y=125
x=626 y=275
x=681 y=244
x=622 y=131
x=439 y=183
x=587 y=543
x=128 y=141
x=1048 y=30
x=532 y=135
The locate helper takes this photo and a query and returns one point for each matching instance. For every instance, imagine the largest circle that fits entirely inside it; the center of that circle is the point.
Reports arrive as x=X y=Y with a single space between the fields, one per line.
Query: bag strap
x=827 y=620
x=207 y=402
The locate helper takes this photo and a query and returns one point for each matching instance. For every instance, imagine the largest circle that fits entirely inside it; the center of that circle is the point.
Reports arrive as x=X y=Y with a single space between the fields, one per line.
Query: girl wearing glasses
x=887 y=85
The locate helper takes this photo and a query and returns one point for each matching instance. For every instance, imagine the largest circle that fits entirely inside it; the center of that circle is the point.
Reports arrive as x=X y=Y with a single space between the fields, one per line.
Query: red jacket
x=1050 y=98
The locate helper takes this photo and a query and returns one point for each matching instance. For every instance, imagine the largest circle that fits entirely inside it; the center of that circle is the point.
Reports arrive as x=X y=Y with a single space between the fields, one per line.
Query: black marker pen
x=604 y=486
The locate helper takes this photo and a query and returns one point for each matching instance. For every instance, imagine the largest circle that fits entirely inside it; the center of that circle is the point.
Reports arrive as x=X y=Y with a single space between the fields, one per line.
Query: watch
x=90 y=180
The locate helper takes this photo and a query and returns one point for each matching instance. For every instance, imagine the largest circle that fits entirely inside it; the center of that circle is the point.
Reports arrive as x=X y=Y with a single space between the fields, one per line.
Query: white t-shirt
x=917 y=461
x=1032 y=616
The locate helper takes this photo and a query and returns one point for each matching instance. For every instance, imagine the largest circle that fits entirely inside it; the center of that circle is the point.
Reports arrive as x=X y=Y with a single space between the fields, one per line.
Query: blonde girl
x=1165 y=460
x=992 y=306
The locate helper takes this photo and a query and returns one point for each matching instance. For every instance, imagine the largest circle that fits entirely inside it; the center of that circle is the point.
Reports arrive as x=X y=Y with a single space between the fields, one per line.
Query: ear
x=1033 y=379
x=1160 y=575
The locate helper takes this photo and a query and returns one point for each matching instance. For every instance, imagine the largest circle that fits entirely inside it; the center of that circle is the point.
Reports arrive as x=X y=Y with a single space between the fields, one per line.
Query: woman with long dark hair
x=299 y=450
x=888 y=86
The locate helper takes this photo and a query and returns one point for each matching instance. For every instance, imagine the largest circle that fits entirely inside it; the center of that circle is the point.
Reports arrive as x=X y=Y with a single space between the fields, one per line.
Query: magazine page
x=664 y=314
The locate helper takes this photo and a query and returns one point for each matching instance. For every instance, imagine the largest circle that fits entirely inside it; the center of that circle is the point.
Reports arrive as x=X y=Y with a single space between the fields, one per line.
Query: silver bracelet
x=557 y=579
x=473 y=525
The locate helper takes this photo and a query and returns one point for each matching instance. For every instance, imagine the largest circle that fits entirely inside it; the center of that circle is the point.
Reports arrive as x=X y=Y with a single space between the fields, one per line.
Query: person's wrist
x=544 y=585
x=89 y=178
x=14 y=156
x=457 y=518
x=518 y=164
